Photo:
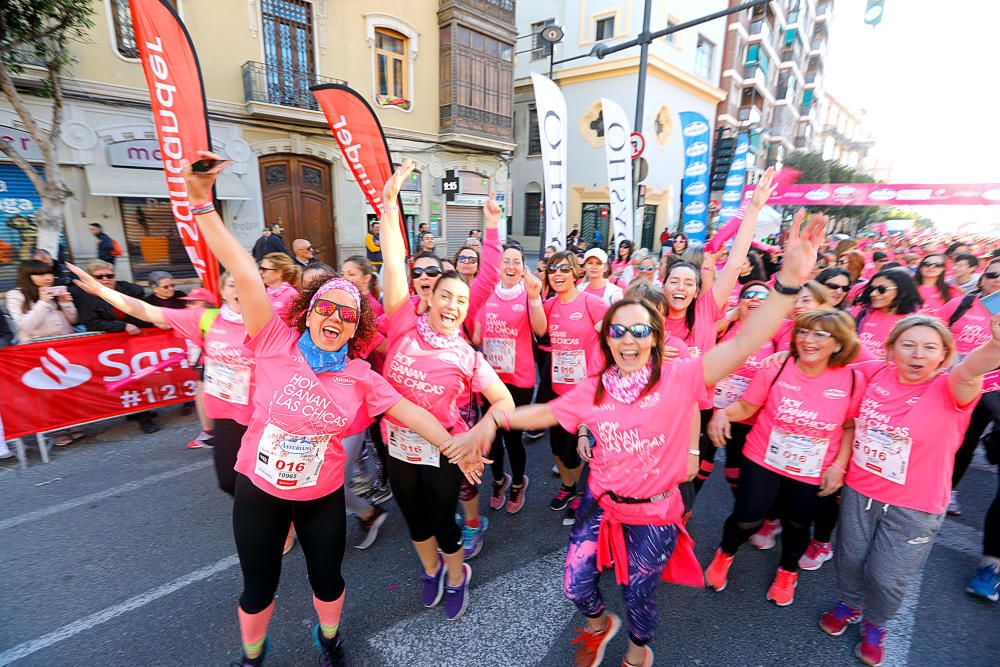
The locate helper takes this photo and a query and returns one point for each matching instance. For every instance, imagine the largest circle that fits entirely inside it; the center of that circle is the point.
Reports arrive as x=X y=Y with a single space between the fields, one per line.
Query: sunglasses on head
x=637 y=330
x=837 y=288
x=559 y=268
x=992 y=275
x=754 y=294
x=467 y=259
x=882 y=289
x=429 y=271
x=325 y=308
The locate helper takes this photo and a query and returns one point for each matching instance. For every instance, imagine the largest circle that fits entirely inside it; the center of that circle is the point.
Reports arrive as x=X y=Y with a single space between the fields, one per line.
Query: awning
x=124 y=182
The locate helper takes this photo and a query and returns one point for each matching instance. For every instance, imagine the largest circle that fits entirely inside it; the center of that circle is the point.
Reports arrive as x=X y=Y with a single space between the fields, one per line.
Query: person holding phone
x=39 y=307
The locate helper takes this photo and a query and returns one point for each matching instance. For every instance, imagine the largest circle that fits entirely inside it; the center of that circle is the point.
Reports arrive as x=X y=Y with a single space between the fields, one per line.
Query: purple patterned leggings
x=649 y=549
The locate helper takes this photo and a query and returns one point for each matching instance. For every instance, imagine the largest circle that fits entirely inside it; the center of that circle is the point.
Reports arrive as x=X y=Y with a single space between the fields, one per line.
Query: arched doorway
x=298 y=193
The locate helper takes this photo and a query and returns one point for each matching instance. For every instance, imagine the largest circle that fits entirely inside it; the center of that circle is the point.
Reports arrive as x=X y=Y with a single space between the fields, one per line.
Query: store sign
x=22 y=142
x=411 y=202
x=450 y=185
x=468 y=200
x=140 y=154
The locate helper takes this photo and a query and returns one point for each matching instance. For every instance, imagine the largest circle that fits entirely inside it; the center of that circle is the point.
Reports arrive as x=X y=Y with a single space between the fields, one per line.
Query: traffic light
x=874 y=11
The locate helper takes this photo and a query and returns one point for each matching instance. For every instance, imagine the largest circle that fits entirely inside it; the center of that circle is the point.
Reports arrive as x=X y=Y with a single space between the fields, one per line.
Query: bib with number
x=729 y=390
x=799 y=455
x=405 y=445
x=500 y=353
x=882 y=453
x=568 y=366
x=290 y=461
x=228 y=383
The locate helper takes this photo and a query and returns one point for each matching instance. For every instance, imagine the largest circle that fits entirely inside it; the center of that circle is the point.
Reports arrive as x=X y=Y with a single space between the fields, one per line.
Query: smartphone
x=991 y=303
x=58 y=290
x=201 y=166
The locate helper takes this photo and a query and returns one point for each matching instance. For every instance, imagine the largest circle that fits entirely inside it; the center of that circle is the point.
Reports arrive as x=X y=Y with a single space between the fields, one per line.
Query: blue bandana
x=321 y=361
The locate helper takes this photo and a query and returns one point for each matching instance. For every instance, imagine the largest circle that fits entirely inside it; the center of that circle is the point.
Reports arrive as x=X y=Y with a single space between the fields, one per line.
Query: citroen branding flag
x=618 y=150
x=178 y=100
x=551 y=107
x=695 y=130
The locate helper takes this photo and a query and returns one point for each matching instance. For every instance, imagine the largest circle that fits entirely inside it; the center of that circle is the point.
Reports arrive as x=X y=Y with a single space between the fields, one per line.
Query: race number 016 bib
x=500 y=354
x=729 y=390
x=799 y=455
x=290 y=461
x=228 y=383
x=405 y=445
x=568 y=366
x=882 y=453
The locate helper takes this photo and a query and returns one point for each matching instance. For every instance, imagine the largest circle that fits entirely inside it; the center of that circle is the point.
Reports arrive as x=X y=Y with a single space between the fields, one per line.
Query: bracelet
x=838 y=467
x=202 y=209
x=694 y=452
x=786 y=290
x=708 y=268
x=392 y=208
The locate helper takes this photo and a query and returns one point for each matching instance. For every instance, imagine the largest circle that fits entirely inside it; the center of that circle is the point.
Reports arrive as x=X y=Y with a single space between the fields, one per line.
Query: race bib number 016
x=729 y=390
x=405 y=445
x=290 y=461
x=798 y=455
x=882 y=454
x=568 y=366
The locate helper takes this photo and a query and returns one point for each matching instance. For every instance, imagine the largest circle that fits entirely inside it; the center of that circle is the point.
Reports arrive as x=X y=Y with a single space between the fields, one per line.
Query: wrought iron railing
x=263 y=82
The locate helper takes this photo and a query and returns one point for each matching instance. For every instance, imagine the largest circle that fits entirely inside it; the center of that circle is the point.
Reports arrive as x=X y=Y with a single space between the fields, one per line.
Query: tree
x=817 y=170
x=36 y=34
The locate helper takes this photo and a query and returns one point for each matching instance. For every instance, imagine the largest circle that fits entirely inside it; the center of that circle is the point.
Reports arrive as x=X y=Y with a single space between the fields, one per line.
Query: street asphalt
x=120 y=552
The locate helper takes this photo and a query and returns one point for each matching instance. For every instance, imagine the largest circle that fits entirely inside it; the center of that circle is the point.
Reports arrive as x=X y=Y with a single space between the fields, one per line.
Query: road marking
x=105 y=615
x=101 y=495
x=528 y=603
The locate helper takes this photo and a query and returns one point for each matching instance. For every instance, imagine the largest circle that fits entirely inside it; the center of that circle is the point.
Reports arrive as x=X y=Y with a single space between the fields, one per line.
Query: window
x=703 y=58
x=672 y=37
x=534 y=136
x=604 y=29
x=288 y=52
x=532 y=213
x=807 y=99
x=124 y=32
x=390 y=64
x=541 y=49
x=753 y=53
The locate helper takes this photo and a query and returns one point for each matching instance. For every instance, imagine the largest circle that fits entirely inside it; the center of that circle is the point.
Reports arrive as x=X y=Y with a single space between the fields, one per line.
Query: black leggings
x=261 y=523
x=991 y=527
x=734 y=453
x=375 y=431
x=987 y=410
x=563 y=444
x=758 y=490
x=510 y=441
x=226 y=437
x=428 y=498
x=827 y=512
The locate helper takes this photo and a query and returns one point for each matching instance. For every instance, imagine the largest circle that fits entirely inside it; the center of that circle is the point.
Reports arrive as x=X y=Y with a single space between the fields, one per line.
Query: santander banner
x=178 y=100
x=882 y=194
x=362 y=142
x=65 y=382
x=551 y=108
x=618 y=152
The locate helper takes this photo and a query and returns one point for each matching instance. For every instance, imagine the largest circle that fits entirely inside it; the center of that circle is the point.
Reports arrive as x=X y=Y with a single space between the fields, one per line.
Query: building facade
x=842 y=137
x=683 y=73
x=438 y=73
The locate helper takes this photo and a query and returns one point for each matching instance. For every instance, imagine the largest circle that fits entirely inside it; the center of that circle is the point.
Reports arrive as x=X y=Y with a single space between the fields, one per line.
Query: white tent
x=768 y=223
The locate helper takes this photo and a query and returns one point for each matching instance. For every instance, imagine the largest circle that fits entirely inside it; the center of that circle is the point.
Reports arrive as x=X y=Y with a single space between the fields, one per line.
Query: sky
x=926 y=79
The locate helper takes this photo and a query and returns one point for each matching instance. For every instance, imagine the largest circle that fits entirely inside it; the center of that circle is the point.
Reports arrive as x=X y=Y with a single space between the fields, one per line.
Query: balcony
x=750 y=114
x=269 y=90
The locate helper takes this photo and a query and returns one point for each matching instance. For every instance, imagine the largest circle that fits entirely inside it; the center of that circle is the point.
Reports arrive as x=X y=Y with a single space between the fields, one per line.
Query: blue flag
x=695 y=130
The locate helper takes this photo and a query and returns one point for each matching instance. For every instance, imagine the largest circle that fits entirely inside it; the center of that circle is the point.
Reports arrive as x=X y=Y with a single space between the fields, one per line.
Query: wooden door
x=298 y=193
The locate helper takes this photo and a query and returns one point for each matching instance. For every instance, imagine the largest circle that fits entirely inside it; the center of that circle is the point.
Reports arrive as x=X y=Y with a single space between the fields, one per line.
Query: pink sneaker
x=515 y=501
x=498 y=497
x=816 y=554
x=766 y=537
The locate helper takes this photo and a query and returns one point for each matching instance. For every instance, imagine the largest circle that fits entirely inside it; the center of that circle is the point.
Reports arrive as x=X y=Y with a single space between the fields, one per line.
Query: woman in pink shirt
x=853 y=261
x=429 y=362
x=281 y=277
x=290 y=462
x=890 y=296
x=798 y=447
x=909 y=426
x=595 y=268
x=932 y=284
x=360 y=271
x=504 y=333
x=623 y=260
x=643 y=414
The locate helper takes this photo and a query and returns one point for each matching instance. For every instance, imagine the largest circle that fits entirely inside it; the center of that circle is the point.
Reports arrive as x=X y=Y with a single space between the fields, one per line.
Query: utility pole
x=640 y=103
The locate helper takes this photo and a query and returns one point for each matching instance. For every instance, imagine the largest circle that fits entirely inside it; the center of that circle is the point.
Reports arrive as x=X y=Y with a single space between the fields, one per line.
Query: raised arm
x=395 y=286
x=536 y=310
x=127 y=304
x=966 y=379
x=730 y=273
x=254 y=303
x=489 y=262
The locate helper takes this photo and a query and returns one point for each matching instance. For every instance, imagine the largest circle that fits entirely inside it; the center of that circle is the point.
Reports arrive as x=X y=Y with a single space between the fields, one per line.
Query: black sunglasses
x=992 y=275
x=934 y=265
x=429 y=271
x=882 y=289
x=104 y=276
x=559 y=268
x=837 y=288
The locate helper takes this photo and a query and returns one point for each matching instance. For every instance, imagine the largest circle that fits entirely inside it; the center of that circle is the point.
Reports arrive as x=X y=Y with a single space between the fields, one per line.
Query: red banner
x=882 y=194
x=178 y=99
x=362 y=143
x=54 y=384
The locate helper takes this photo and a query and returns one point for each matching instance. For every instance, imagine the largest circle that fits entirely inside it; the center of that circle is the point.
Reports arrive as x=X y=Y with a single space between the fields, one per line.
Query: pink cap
x=200 y=294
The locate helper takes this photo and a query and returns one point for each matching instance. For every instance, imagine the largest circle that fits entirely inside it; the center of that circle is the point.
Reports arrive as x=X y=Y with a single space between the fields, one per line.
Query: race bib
x=499 y=352
x=881 y=453
x=405 y=445
x=729 y=390
x=799 y=455
x=290 y=461
x=229 y=383
x=568 y=366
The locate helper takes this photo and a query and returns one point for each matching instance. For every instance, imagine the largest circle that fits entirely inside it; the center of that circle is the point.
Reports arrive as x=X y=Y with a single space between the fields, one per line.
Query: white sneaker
x=766 y=537
x=954 y=508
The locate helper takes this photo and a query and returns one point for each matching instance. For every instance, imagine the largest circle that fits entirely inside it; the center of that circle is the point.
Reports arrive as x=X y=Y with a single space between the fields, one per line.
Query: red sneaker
x=590 y=651
x=766 y=537
x=716 y=576
x=816 y=554
x=869 y=649
x=782 y=591
x=835 y=621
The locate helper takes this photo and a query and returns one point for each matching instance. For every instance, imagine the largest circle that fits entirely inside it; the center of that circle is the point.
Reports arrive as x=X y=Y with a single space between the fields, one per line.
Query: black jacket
x=105 y=248
x=268 y=244
x=96 y=314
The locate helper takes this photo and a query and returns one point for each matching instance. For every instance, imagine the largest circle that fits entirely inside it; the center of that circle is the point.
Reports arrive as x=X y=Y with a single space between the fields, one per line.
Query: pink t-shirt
x=506 y=331
x=281 y=298
x=905 y=440
x=488 y=276
x=801 y=418
x=874 y=330
x=229 y=365
x=609 y=293
x=932 y=298
x=292 y=448
x=732 y=387
x=376 y=306
x=575 y=350
x=701 y=338
x=431 y=378
x=856 y=290
x=970 y=330
x=641 y=448
x=783 y=336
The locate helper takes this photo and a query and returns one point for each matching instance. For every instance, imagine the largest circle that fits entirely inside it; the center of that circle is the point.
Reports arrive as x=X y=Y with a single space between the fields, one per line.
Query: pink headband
x=338 y=283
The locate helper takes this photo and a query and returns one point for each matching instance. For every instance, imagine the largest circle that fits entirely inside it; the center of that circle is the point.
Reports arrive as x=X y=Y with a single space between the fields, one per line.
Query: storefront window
x=154 y=244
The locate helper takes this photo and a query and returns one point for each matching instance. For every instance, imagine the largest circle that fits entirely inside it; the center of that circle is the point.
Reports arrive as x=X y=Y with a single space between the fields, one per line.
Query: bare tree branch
x=57 y=101
x=16 y=101
x=18 y=160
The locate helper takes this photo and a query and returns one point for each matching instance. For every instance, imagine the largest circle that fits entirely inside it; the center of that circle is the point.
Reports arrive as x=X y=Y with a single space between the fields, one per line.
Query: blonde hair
x=289 y=270
x=99 y=264
x=835 y=322
x=920 y=320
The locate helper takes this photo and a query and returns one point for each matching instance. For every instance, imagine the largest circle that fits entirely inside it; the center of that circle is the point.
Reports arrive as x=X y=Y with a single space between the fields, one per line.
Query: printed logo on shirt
x=834 y=393
x=789 y=387
x=974 y=334
x=344 y=379
x=576 y=316
x=912 y=400
x=627 y=440
x=518 y=307
x=880 y=390
x=649 y=401
x=299 y=397
x=870 y=414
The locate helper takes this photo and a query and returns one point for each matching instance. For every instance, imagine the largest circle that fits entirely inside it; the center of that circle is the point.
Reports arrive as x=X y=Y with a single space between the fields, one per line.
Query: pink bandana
x=341 y=284
x=280 y=289
x=436 y=340
x=626 y=389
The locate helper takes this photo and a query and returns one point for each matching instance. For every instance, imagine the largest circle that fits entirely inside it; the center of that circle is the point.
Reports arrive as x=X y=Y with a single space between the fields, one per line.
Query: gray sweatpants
x=352 y=449
x=879 y=549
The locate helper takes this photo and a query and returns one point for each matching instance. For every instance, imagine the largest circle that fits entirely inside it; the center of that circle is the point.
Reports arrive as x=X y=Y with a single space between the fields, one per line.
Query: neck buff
x=436 y=340
x=280 y=289
x=230 y=315
x=626 y=389
x=322 y=361
x=508 y=293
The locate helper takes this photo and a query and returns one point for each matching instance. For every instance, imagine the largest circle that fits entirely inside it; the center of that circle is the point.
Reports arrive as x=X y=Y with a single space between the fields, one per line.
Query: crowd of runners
x=843 y=379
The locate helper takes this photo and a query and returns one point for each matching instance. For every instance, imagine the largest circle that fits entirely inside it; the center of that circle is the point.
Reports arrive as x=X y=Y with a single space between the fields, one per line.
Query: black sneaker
x=331 y=651
x=380 y=495
x=561 y=499
x=574 y=505
x=370 y=527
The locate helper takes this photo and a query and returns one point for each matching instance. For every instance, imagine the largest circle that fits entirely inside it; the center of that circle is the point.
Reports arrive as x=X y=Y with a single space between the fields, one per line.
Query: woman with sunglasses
x=280 y=274
x=647 y=270
x=466 y=262
x=909 y=426
x=798 y=448
x=429 y=362
x=680 y=244
x=853 y=261
x=291 y=462
x=932 y=283
x=890 y=296
x=623 y=259
x=643 y=414
x=837 y=281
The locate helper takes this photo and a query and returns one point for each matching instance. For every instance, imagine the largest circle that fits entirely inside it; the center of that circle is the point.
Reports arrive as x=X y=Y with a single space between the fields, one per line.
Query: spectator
x=7 y=329
x=58 y=268
x=303 y=253
x=38 y=307
x=473 y=243
x=426 y=242
x=200 y=298
x=476 y=234
x=270 y=241
x=964 y=266
x=165 y=294
x=373 y=246
x=106 y=250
